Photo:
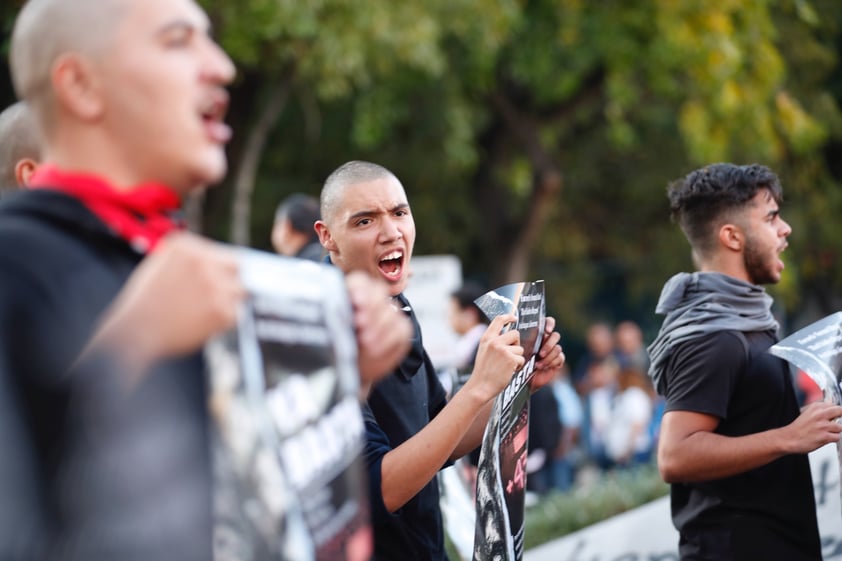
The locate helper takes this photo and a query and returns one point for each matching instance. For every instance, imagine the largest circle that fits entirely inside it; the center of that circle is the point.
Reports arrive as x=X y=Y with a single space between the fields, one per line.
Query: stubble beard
x=758 y=264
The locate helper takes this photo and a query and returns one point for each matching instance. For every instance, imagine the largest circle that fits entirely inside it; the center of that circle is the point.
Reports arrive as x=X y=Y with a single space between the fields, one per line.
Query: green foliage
x=476 y=103
x=339 y=46
x=560 y=514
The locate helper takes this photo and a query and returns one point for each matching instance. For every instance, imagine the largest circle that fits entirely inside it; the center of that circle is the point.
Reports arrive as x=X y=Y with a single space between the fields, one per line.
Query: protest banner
x=501 y=473
x=290 y=482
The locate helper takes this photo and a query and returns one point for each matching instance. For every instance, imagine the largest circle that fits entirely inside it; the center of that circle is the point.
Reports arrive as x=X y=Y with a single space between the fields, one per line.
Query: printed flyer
x=501 y=474
x=290 y=482
x=817 y=351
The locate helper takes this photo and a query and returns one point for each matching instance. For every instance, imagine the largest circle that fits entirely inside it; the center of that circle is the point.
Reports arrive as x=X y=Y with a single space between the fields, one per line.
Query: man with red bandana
x=411 y=430
x=127 y=97
x=103 y=421
x=733 y=441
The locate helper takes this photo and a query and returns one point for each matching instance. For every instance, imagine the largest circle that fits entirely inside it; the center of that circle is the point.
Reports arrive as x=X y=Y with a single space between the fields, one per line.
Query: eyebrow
x=365 y=213
x=179 y=25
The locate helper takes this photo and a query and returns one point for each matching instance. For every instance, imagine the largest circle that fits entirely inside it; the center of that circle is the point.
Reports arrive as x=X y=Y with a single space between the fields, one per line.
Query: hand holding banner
x=288 y=421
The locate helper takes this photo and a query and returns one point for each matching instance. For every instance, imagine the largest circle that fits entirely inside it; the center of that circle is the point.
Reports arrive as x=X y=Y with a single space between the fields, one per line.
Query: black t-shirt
x=89 y=470
x=766 y=513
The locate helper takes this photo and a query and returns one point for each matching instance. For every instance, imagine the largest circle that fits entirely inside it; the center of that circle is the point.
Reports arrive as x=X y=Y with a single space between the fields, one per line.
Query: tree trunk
x=243 y=185
x=546 y=186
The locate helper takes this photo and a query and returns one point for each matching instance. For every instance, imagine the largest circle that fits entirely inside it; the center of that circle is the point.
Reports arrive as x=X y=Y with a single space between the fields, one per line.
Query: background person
x=629 y=347
x=20 y=149
x=567 y=455
x=598 y=405
x=293 y=233
x=599 y=347
x=628 y=440
x=545 y=432
x=469 y=323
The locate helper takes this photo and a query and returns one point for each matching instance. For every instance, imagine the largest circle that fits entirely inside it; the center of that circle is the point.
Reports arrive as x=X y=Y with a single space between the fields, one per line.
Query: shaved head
x=350 y=173
x=367 y=223
x=130 y=90
x=45 y=30
x=18 y=141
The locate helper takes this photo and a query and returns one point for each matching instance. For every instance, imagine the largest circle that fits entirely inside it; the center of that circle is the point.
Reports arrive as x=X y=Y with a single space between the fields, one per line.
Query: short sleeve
x=438 y=395
x=376 y=446
x=702 y=373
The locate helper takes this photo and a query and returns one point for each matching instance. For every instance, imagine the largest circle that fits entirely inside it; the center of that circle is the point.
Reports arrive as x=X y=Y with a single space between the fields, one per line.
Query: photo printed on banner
x=290 y=482
x=501 y=473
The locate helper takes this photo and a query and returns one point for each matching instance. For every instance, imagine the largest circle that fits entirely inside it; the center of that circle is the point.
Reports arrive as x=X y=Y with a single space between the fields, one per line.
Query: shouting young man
x=411 y=430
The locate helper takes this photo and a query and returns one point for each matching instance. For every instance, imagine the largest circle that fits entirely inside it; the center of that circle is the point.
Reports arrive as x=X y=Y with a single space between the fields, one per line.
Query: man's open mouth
x=391 y=264
x=212 y=114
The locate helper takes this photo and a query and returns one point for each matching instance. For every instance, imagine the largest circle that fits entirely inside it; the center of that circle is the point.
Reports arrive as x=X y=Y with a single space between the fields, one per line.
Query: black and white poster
x=501 y=474
x=290 y=482
x=817 y=351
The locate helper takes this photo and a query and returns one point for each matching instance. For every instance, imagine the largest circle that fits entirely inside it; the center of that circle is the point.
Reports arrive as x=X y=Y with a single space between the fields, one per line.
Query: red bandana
x=141 y=216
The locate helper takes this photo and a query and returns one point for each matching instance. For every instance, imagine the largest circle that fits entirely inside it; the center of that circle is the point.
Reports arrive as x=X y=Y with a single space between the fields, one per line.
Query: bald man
x=20 y=149
x=106 y=456
x=293 y=232
x=412 y=431
x=127 y=97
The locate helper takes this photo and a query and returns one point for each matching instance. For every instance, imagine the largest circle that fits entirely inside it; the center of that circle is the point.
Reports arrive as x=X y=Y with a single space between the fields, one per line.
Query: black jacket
x=91 y=469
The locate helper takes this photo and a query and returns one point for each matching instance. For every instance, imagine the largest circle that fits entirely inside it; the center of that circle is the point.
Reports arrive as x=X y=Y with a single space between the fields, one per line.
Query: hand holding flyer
x=817 y=350
x=499 y=354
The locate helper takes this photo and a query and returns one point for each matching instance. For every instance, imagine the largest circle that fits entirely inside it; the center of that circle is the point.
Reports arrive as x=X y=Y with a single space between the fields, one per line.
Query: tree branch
x=275 y=101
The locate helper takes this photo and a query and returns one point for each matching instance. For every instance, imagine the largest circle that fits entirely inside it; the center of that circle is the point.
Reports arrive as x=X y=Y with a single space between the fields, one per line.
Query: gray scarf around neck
x=697 y=304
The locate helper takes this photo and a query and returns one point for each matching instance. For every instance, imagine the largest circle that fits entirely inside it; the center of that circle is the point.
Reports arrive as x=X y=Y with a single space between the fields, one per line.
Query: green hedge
x=559 y=514
x=603 y=496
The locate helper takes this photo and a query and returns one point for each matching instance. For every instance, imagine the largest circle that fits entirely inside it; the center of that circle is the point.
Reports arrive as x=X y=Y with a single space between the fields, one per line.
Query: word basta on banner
x=290 y=484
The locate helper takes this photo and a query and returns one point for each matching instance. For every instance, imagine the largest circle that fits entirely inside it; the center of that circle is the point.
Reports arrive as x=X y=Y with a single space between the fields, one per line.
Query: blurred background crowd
x=601 y=413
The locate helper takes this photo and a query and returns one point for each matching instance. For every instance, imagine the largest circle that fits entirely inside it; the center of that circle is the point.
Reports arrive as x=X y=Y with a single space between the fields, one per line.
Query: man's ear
x=24 y=169
x=732 y=237
x=324 y=236
x=77 y=86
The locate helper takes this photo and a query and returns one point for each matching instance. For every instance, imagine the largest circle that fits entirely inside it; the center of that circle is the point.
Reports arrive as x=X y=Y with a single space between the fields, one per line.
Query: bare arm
x=178 y=297
x=689 y=450
x=473 y=436
x=405 y=470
